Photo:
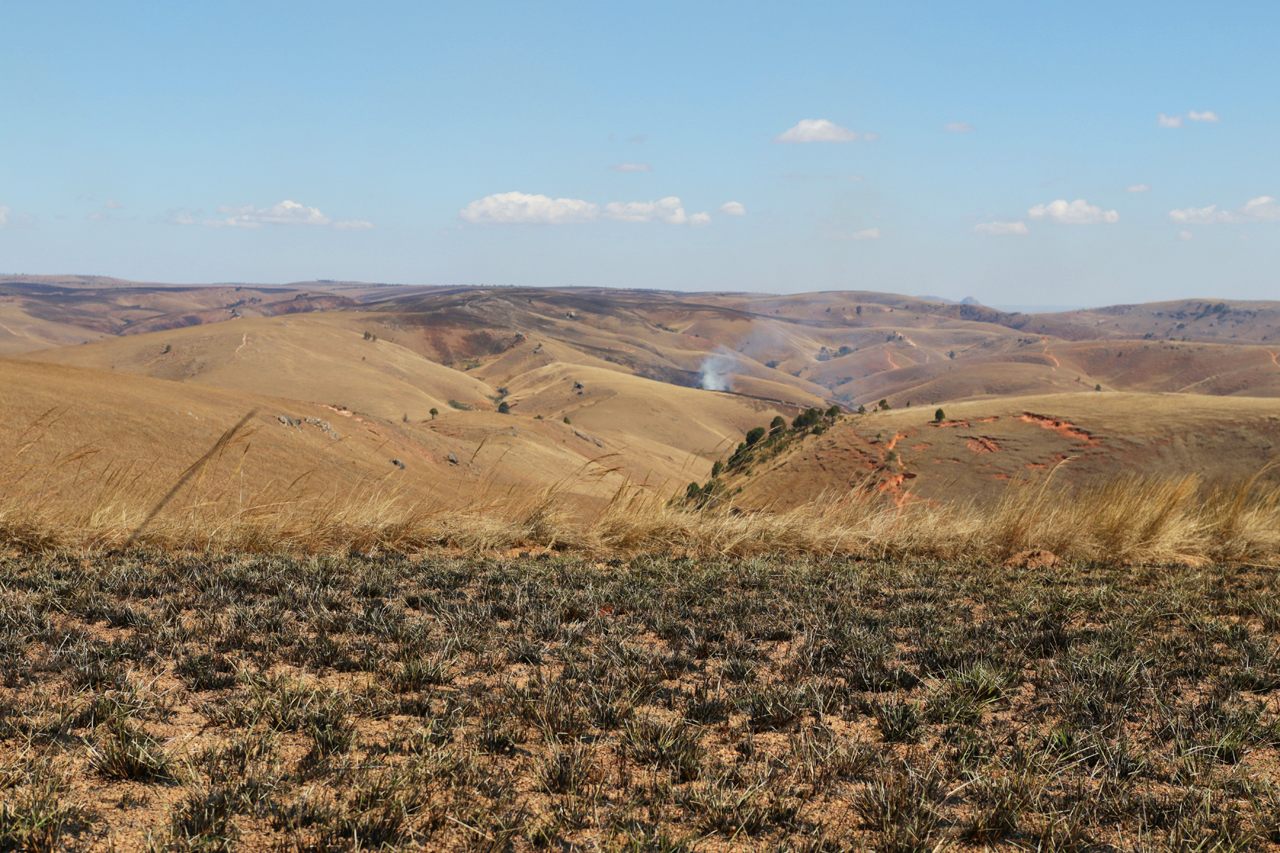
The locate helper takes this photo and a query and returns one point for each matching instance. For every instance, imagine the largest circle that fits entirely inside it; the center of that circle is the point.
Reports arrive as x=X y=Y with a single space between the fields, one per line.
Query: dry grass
x=1128 y=520
x=197 y=702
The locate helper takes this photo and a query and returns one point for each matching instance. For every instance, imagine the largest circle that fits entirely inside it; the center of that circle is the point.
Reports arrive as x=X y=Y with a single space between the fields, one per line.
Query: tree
x=755 y=435
x=807 y=418
x=862 y=408
x=939 y=416
x=716 y=468
x=1097 y=387
x=434 y=411
x=778 y=423
x=833 y=412
x=883 y=404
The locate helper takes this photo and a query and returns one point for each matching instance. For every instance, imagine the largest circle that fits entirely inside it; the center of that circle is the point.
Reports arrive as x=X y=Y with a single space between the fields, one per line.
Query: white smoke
x=716 y=373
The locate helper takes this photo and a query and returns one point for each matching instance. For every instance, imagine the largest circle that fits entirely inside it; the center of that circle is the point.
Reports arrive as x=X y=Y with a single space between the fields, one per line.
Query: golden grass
x=1130 y=520
x=69 y=499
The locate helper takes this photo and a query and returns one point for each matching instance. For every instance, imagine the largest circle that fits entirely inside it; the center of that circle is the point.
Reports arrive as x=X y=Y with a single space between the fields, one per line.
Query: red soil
x=1061 y=427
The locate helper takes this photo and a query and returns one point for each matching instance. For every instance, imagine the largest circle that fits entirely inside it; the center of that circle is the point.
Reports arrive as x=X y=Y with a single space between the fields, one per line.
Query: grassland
x=650 y=704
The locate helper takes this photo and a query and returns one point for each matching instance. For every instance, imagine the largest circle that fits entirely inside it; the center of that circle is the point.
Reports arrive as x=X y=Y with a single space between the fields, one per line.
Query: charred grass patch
x=251 y=702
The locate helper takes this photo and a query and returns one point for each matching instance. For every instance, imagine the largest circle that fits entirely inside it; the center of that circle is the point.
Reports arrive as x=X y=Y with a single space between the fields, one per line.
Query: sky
x=1022 y=153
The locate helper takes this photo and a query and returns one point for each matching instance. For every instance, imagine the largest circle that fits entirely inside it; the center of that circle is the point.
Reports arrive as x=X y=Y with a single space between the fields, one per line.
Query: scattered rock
x=289 y=421
x=597 y=442
x=1036 y=558
x=398 y=464
x=453 y=459
x=324 y=426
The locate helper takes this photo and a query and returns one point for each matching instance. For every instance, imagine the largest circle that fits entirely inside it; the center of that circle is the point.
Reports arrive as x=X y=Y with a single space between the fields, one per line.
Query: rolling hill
x=982 y=446
x=587 y=389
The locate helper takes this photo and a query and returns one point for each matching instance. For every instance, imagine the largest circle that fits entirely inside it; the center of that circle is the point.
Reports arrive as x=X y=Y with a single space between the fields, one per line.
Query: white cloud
x=958 y=127
x=633 y=167
x=1264 y=208
x=733 y=208
x=516 y=208
x=1078 y=212
x=4 y=215
x=1205 y=116
x=867 y=234
x=819 y=130
x=1017 y=228
x=285 y=213
x=1138 y=188
x=1185 y=235
x=1200 y=215
x=112 y=204
x=669 y=210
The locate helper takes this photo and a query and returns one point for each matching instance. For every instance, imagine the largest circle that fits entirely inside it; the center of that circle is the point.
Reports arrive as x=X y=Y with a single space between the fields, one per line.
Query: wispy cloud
x=1016 y=228
x=1263 y=208
x=958 y=127
x=1078 y=212
x=1202 y=116
x=1138 y=188
x=4 y=215
x=517 y=208
x=733 y=208
x=632 y=167
x=286 y=212
x=820 y=130
x=867 y=234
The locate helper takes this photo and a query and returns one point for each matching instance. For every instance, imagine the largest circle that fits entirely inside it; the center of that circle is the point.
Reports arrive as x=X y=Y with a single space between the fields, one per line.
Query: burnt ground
x=558 y=703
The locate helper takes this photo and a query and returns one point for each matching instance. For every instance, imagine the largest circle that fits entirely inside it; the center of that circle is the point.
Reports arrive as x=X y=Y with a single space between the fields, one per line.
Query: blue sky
x=1029 y=153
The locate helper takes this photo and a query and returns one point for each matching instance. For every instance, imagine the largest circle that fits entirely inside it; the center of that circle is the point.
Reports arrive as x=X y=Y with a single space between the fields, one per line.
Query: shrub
x=939 y=416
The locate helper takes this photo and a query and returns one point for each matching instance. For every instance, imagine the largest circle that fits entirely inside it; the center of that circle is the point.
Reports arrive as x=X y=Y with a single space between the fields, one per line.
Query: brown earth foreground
x=259 y=702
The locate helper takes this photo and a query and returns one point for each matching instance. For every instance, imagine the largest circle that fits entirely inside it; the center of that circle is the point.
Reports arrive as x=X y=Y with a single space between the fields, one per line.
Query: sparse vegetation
x=760 y=702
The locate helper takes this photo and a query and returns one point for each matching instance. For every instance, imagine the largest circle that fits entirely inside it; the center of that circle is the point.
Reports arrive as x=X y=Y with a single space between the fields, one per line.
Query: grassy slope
x=97 y=449
x=987 y=443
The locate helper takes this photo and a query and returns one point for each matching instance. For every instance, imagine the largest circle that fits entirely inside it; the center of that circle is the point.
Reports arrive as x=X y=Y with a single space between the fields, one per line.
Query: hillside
x=587 y=389
x=849 y=347
x=84 y=444
x=982 y=446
